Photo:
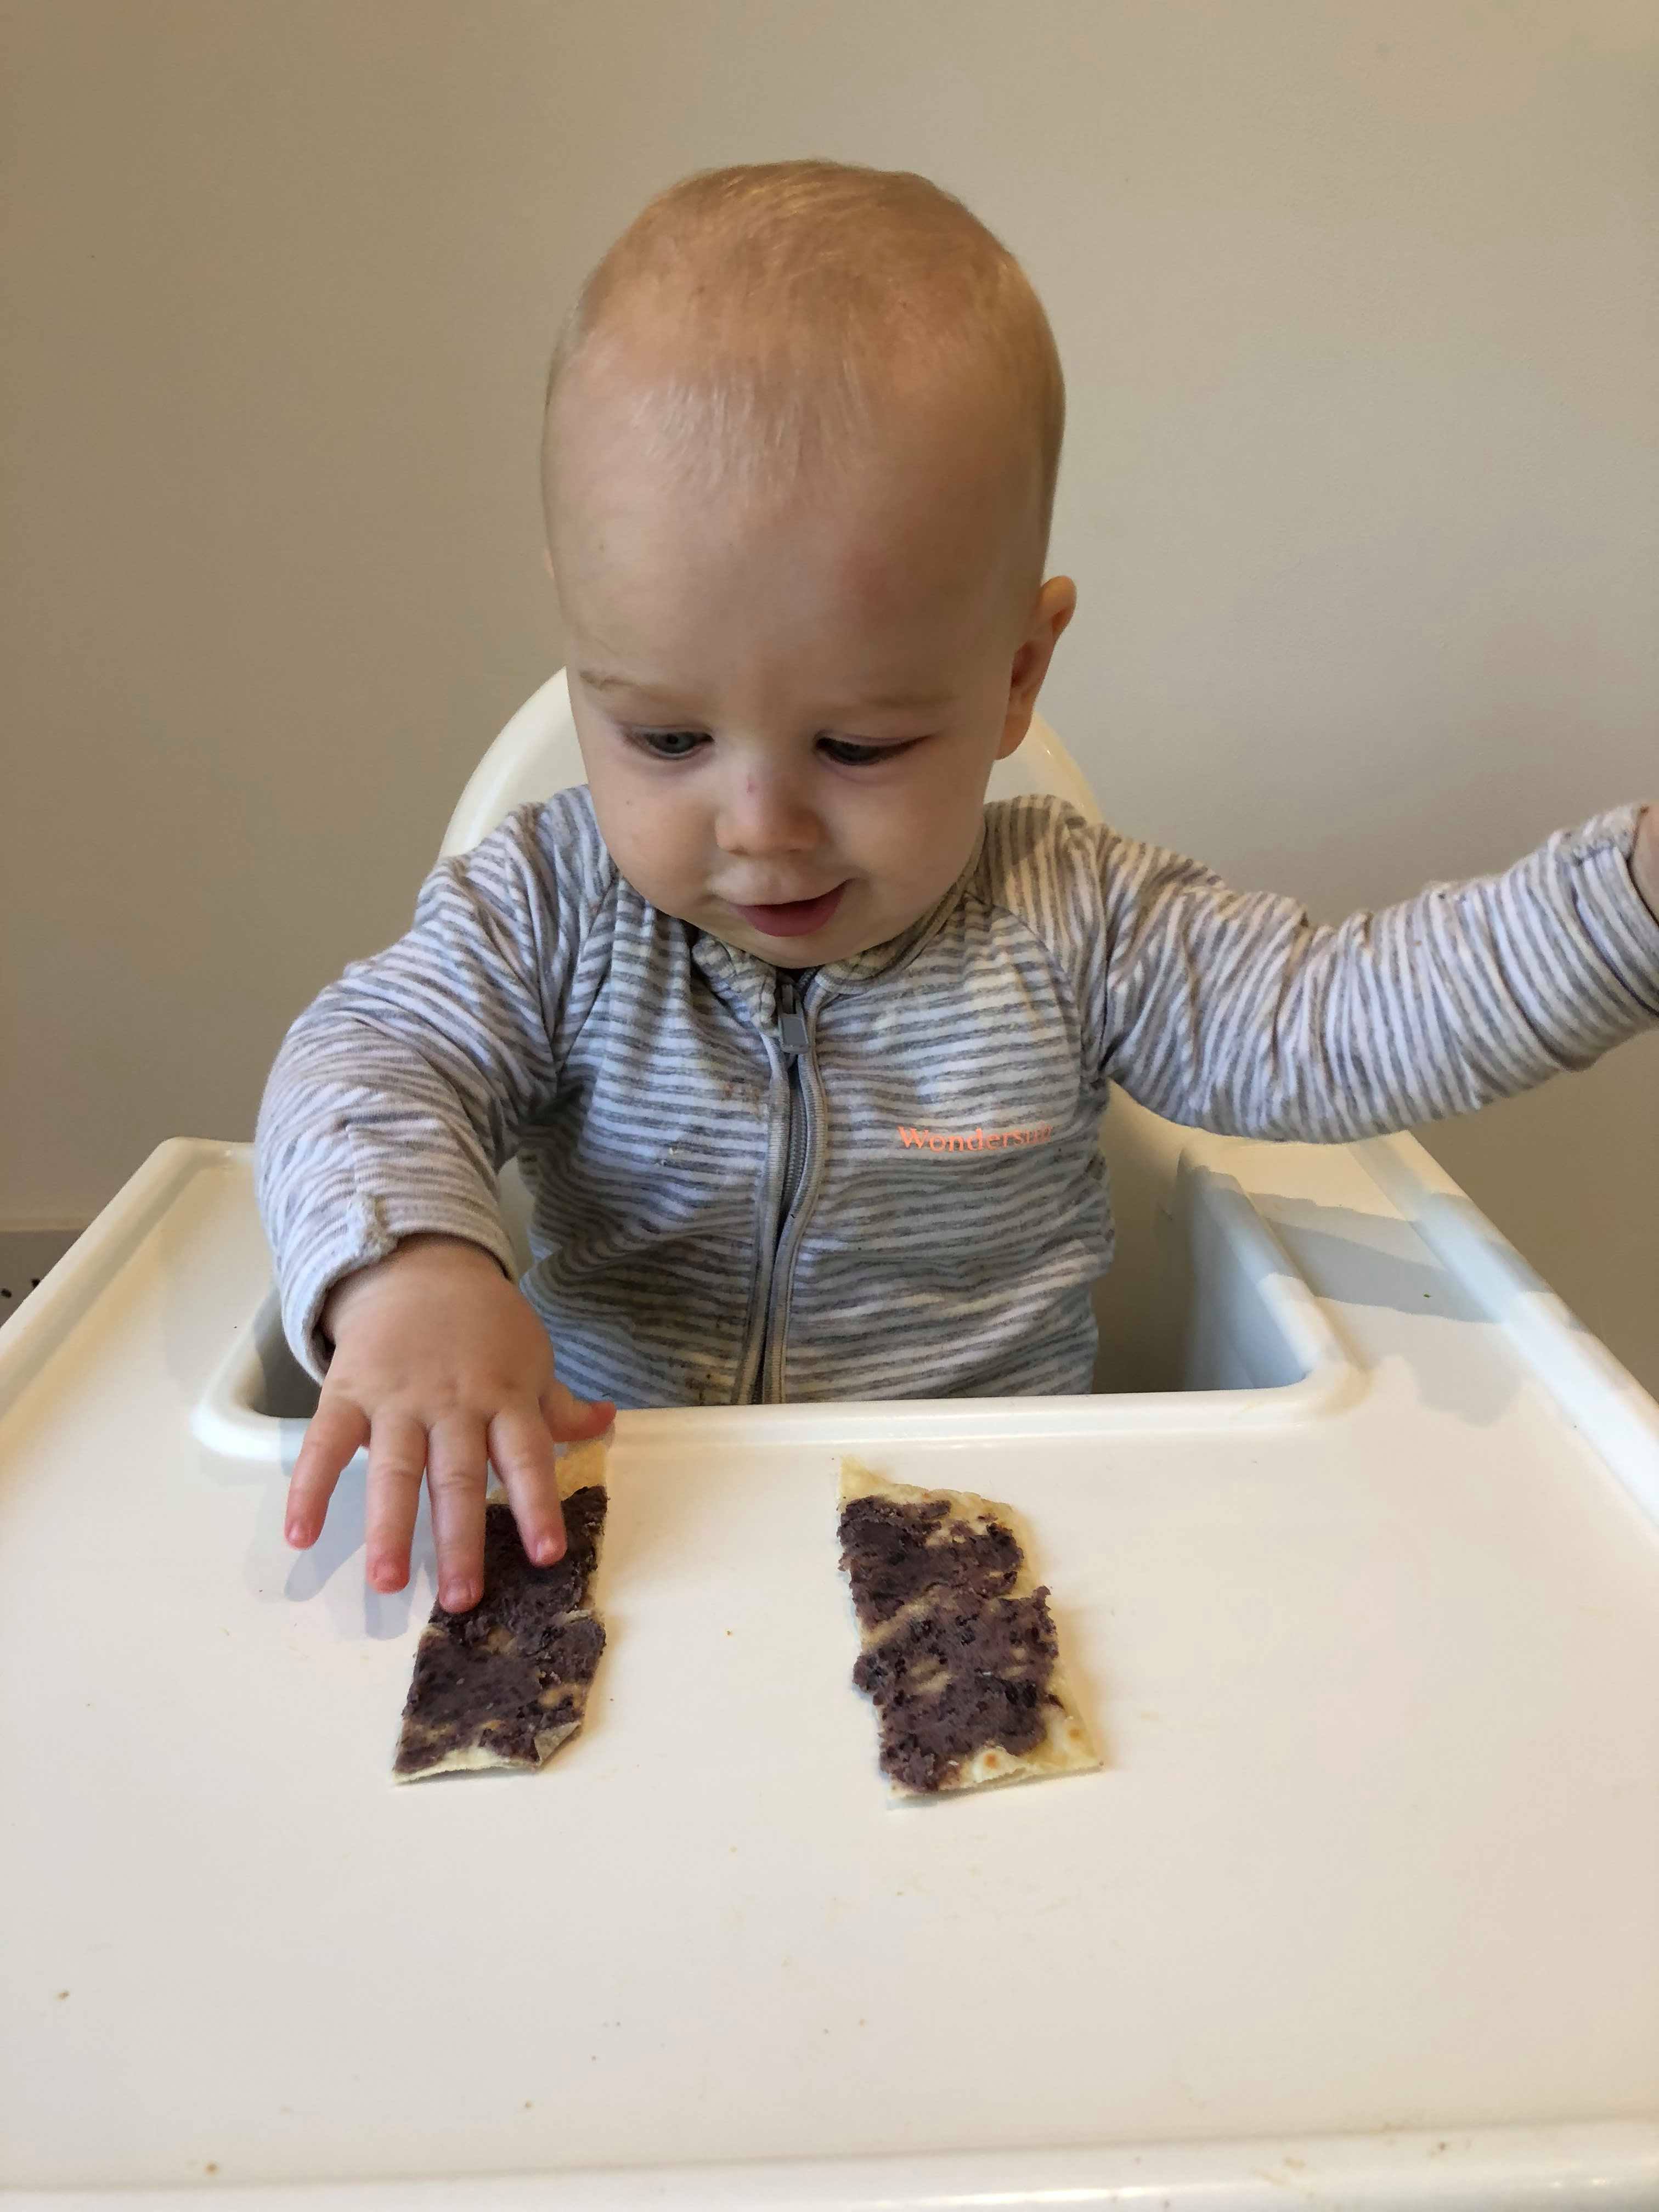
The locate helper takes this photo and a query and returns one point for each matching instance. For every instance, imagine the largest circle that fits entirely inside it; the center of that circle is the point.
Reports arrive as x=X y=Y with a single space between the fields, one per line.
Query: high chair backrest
x=536 y=755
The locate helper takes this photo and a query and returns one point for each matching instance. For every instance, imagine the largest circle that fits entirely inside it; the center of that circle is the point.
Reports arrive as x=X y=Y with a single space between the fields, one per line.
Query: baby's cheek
x=655 y=850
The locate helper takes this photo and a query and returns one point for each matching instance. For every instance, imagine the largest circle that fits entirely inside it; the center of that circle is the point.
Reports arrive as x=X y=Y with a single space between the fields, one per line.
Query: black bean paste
x=517 y=1665
x=954 y=1662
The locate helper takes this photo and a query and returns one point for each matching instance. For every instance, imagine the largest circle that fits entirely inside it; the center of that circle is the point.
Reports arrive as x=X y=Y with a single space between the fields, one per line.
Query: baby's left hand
x=1645 y=859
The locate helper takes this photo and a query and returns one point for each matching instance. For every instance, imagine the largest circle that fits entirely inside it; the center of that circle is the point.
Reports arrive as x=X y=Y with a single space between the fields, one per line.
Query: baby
x=802 y=1048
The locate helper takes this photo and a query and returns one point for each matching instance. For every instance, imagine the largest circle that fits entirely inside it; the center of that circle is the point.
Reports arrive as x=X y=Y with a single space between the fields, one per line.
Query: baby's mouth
x=792 y=917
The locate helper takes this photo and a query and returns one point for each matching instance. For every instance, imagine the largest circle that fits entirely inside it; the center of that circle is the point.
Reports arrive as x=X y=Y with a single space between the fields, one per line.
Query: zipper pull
x=791 y=1023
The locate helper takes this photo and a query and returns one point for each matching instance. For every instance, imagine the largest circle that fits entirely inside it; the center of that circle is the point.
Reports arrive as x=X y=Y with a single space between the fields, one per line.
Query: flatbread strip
x=507 y=1684
x=960 y=1657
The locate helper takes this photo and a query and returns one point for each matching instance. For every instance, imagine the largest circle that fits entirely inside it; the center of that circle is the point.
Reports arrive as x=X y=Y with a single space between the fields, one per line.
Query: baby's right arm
x=439 y=1366
x=393 y=1102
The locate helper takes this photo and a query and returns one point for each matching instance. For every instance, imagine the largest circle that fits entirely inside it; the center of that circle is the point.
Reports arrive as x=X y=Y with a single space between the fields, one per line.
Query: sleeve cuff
x=1626 y=931
x=371 y=1229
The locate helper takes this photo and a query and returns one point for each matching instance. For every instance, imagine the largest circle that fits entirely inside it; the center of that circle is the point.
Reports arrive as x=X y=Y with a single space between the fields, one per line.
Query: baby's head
x=802 y=432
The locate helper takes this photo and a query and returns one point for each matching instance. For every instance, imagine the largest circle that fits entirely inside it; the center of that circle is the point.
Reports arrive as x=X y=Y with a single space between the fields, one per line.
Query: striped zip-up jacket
x=883 y=1179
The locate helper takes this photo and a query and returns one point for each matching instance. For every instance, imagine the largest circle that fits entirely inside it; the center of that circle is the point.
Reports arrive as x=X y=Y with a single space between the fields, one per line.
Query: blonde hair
x=786 y=300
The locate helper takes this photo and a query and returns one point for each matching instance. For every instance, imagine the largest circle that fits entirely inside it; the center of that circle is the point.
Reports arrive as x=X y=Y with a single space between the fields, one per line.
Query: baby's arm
x=1233 y=1011
x=393 y=1102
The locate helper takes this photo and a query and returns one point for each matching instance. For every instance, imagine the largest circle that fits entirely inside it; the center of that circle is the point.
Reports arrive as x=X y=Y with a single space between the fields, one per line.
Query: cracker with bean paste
x=507 y=1684
x=960 y=1658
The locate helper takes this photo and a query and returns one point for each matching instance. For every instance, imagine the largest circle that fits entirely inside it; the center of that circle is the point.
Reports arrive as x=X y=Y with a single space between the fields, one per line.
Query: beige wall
x=1359 y=305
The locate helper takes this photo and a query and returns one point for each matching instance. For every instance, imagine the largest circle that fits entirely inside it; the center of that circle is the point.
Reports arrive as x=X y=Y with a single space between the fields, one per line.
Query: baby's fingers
x=521 y=1452
x=337 y=1429
x=396 y=1455
x=455 y=1476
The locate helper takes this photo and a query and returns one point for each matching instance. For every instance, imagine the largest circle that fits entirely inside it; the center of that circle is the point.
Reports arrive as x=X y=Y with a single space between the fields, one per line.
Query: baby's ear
x=1053 y=607
x=1056 y=603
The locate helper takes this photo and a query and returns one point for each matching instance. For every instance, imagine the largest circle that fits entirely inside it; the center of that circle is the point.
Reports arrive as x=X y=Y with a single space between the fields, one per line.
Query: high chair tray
x=1362 y=1910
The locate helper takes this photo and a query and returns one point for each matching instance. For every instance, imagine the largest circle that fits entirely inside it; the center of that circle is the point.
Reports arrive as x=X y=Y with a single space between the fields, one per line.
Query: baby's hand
x=439 y=1364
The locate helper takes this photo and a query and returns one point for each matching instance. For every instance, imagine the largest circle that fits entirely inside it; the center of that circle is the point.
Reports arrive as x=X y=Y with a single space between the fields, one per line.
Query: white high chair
x=1366 y=1616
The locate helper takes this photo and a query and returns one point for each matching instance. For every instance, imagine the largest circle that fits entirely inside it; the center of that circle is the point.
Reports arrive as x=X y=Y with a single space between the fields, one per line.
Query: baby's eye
x=669 y=744
x=846 y=753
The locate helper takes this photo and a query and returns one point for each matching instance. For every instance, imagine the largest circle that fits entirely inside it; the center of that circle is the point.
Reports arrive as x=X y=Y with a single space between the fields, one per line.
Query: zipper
x=796 y=1046
x=797 y=1191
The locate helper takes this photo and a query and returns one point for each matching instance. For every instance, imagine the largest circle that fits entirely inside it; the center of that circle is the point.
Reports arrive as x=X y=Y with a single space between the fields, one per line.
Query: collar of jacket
x=748 y=977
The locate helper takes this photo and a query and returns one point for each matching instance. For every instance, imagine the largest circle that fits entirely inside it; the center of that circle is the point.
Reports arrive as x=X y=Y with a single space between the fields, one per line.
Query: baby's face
x=789 y=710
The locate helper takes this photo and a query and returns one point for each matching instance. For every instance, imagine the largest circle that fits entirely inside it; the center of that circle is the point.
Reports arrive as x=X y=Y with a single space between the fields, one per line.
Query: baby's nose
x=761 y=814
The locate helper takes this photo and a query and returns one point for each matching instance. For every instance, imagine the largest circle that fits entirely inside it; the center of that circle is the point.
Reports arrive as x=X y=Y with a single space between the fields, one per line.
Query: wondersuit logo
x=979 y=1141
